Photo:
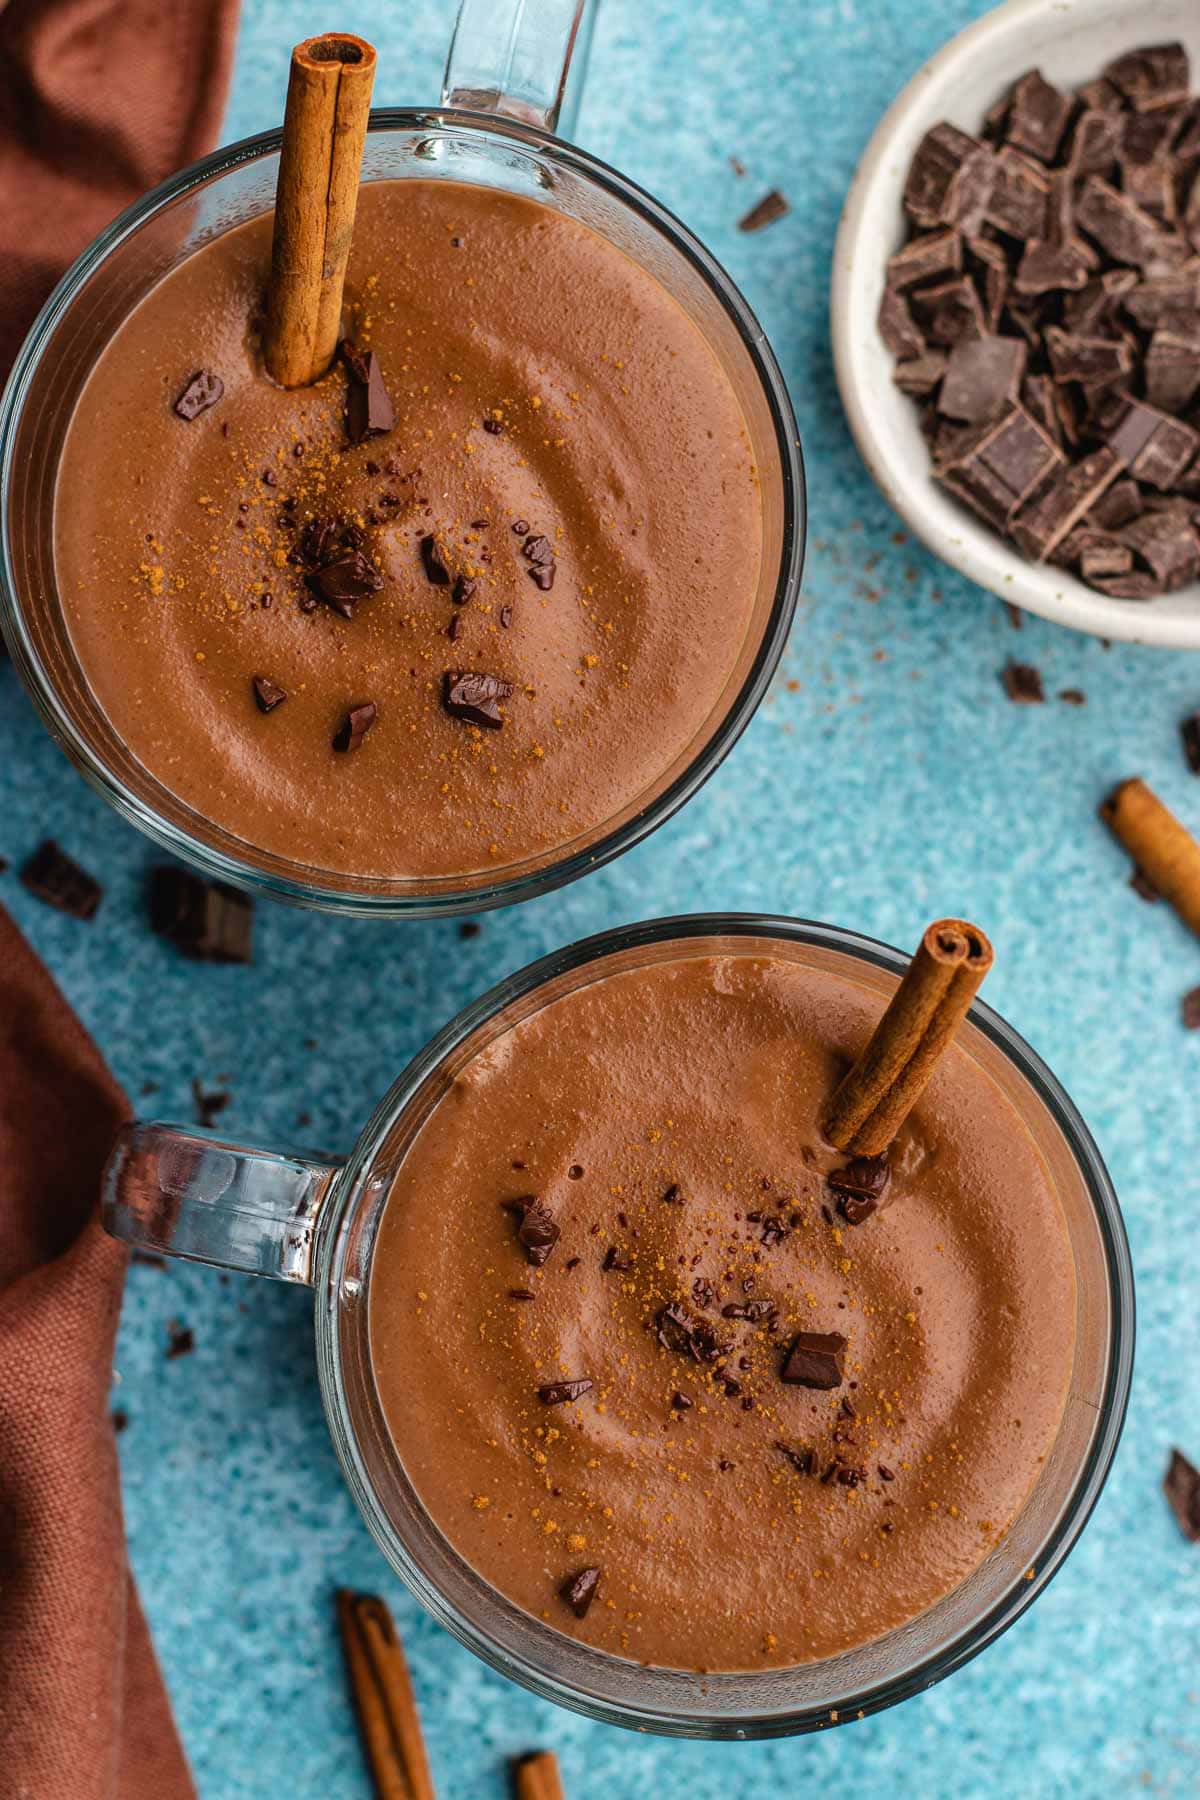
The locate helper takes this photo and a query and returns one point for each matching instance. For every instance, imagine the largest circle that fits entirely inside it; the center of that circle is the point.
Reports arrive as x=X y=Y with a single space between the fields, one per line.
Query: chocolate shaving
x=772 y=206
x=579 y=1590
x=355 y=726
x=267 y=693
x=473 y=698
x=203 y=390
x=678 y=1331
x=558 y=1393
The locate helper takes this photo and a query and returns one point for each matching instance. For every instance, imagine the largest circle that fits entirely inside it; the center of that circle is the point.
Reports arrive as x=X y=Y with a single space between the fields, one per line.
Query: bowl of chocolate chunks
x=1016 y=311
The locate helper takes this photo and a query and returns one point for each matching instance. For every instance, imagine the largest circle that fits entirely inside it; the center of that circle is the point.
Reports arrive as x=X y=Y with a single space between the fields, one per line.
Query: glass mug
x=195 y=1194
x=509 y=65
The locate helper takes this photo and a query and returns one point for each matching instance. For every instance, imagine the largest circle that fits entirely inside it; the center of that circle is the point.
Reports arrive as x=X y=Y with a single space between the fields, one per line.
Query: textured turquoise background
x=886 y=779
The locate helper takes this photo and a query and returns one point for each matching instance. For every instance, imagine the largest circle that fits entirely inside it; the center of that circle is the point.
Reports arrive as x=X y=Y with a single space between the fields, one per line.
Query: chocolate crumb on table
x=772 y=206
x=209 y=1104
x=206 y=920
x=1022 y=683
x=1189 y=1008
x=180 y=1340
x=1045 y=315
x=1189 y=733
x=1181 y=1484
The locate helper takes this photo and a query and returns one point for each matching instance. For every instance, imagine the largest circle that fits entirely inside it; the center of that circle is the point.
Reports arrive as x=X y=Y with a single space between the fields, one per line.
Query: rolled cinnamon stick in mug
x=324 y=130
x=1162 y=848
x=888 y=1078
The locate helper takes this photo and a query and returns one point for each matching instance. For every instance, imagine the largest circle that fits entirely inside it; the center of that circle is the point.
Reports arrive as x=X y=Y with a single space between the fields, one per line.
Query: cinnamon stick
x=1161 y=847
x=324 y=129
x=926 y=1010
x=383 y=1699
x=536 y=1777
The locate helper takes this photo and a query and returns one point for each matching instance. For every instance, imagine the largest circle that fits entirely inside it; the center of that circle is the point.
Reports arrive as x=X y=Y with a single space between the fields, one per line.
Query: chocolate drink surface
x=622 y=1321
x=441 y=612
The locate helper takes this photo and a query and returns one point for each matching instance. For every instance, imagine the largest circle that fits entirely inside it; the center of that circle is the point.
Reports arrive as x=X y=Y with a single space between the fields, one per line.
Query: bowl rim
x=949 y=531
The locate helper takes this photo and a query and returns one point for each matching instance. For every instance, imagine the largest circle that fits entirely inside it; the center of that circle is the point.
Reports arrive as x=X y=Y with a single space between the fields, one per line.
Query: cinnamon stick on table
x=926 y=1010
x=324 y=130
x=383 y=1699
x=536 y=1777
x=1163 y=849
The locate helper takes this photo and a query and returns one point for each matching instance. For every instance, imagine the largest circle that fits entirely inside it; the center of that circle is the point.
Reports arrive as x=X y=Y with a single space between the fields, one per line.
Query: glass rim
x=1019 y=1594
x=439 y=896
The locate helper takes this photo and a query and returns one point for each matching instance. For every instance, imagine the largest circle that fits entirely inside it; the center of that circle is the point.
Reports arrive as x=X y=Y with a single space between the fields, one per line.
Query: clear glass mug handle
x=185 y=1192
x=526 y=58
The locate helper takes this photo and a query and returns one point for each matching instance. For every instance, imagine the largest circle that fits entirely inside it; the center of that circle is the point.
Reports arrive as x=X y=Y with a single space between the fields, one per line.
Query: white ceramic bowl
x=1070 y=41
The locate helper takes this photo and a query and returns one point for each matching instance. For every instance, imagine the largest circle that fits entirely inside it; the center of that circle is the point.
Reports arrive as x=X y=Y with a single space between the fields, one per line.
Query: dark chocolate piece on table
x=1022 y=682
x=355 y=726
x=772 y=206
x=1189 y=1008
x=206 y=920
x=473 y=697
x=58 y=880
x=1181 y=1484
x=1189 y=735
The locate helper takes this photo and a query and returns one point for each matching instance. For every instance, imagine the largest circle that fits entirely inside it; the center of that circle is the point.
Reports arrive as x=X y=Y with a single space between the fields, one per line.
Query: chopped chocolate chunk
x=369 y=410
x=750 y=1310
x=1165 y=299
x=558 y=1393
x=814 y=1359
x=495 y=426
x=120 y=1420
x=1166 y=541
x=537 y=1228
x=1181 y=1484
x=681 y=1402
x=1051 y=268
x=521 y=1294
x=431 y=556
x=1037 y=117
x=59 y=881
x=181 y=1341
x=932 y=256
x=473 y=698
x=1190 y=1009
x=772 y=206
x=921 y=374
x=209 y=1104
x=1003 y=466
x=1152 y=77
x=1122 y=228
x=614 y=1260
x=1073 y=696
x=203 y=390
x=1103 y=556
x=454 y=628
x=982 y=379
x=344 y=580
x=1022 y=683
x=1018 y=203
x=861 y=1186
x=988 y=266
x=1094 y=142
x=464 y=589
x=1043 y=521
x=948 y=312
x=520 y=526
x=579 y=1590
x=1076 y=358
x=206 y=920
x=897 y=327
x=1122 y=502
x=678 y=1331
x=267 y=693
x=950 y=180
x=506 y=617
x=802 y=1459
x=355 y=726
x=671 y=1196
x=1172 y=370
x=1155 y=448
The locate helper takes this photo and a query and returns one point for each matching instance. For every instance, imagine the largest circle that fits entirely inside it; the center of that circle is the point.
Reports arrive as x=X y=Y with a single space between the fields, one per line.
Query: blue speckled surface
x=885 y=780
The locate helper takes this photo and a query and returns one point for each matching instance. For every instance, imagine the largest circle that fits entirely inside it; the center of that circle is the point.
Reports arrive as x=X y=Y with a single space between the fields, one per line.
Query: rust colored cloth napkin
x=99 y=100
